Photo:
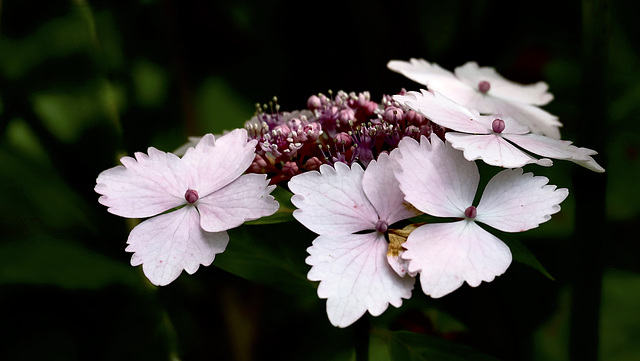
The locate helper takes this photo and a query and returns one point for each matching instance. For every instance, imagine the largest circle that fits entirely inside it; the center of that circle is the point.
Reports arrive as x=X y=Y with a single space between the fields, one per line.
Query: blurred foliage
x=85 y=82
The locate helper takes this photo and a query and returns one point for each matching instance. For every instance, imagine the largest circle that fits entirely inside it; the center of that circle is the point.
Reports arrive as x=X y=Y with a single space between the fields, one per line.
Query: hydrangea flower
x=486 y=91
x=351 y=209
x=492 y=137
x=192 y=200
x=439 y=181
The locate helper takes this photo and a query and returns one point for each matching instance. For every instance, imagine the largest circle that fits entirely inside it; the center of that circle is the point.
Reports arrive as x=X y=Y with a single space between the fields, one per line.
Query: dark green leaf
x=523 y=255
x=408 y=346
x=44 y=260
x=272 y=255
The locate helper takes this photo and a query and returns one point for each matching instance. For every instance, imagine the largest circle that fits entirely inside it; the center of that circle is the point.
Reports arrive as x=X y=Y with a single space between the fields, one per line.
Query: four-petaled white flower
x=439 y=181
x=351 y=210
x=483 y=89
x=209 y=191
x=492 y=137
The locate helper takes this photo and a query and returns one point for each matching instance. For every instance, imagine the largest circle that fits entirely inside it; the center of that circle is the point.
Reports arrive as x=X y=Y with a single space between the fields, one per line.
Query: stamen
x=191 y=195
x=484 y=86
x=470 y=212
x=498 y=126
x=382 y=226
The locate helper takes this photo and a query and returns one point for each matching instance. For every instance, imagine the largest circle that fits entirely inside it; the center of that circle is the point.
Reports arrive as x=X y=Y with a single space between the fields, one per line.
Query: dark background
x=85 y=82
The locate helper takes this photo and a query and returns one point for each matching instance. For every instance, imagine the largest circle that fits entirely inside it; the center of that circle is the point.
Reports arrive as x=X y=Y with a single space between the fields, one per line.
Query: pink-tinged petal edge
x=332 y=201
x=245 y=199
x=169 y=243
x=435 y=178
x=143 y=186
x=448 y=254
x=516 y=202
x=355 y=276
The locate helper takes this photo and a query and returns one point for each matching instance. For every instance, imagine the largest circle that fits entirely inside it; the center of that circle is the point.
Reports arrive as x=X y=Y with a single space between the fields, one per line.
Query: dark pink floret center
x=498 y=126
x=382 y=226
x=191 y=195
x=470 y=212
x=484 y=86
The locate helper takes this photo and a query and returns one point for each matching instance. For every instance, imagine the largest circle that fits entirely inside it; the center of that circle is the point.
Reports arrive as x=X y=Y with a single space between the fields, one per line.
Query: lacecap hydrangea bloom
x=192 y=202
x=352 y=210
x=437 y=180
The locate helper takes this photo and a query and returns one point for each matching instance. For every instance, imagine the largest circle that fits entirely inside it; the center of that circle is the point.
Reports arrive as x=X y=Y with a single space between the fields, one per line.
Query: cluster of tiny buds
x=341 y=127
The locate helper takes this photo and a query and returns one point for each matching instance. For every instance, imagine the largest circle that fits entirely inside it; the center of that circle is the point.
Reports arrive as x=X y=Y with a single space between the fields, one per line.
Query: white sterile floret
x=497 y=140
x=350 y=209
x=486 y=91
x=439 y=181
x=204 y=194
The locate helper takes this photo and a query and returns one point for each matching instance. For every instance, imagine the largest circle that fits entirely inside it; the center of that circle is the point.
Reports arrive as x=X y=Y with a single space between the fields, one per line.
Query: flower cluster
x=483 y=116
x=339 y=128
x=360 y=173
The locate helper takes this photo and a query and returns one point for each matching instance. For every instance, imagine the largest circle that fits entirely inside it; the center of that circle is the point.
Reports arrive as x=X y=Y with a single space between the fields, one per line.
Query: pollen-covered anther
x=498 y=126
x=191 y=195
x=484 y=86
x=382 y=226
x=471 y=212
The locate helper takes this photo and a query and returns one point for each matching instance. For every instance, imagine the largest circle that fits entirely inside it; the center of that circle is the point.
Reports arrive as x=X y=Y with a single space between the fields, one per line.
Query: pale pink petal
x=169 y=243
x=553 y=148
x=493 y=149
x=383 y=191
x=448 y=254
x=445 y=112
x=538 y=120
x=471 y=74
x=144 y=186
x=355 y=277
x=428 y=74
x=435 y=178
x=332 y=201
x=516 y=202
x=399 y=265
x=191 y=143
x=214 y=163
x=247 y=198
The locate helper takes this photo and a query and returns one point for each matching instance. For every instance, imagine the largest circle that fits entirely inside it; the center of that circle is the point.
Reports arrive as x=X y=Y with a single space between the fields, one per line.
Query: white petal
x=492 y=149
x=214 y=163
x=383 y=191
x=538 y=120
x=355 y=277
x=444 y=111
x=169 y=243
x=422 y=72
x=247 y=198
x=448 y=254
x=435 y=178
x=332 y=201
x=471 y=74
x=144 y=186
x=399 y=265
x=516 y=202
x=553 y=148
